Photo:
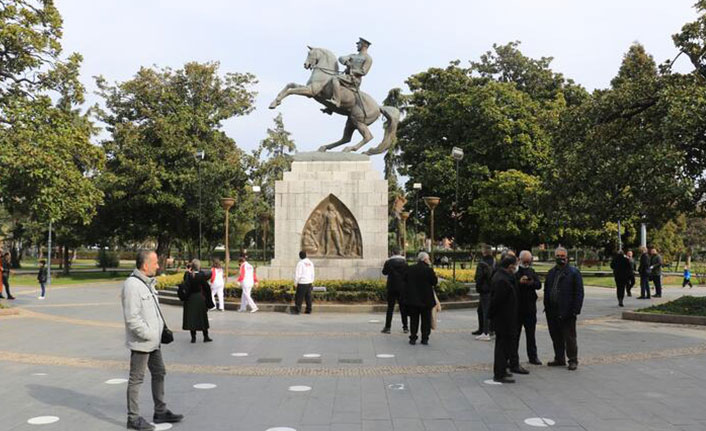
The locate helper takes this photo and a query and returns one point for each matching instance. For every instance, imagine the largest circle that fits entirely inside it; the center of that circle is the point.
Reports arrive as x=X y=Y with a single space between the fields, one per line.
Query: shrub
x=686 y=305
x=462 y=275
x=108 y=259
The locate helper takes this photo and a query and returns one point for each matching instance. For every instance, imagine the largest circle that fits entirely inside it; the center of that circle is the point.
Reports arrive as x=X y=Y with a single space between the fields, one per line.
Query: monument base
x=301 y=199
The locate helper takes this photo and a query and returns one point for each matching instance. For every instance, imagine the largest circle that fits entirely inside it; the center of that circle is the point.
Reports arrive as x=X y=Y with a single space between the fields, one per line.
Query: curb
x=664 y=318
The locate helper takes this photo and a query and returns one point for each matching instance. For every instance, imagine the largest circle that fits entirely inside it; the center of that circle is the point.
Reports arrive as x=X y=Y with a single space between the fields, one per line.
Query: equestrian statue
x=340 y=93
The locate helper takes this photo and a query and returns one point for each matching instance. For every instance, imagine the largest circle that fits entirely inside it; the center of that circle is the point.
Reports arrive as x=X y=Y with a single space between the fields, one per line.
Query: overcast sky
x=268 y=38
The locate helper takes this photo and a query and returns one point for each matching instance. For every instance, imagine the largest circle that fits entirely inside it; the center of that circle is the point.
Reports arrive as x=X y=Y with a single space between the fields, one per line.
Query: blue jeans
x=645 y=286
x=44 y=288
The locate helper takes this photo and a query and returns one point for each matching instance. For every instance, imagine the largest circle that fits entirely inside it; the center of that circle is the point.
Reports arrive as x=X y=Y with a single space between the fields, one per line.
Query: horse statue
x=360 y=108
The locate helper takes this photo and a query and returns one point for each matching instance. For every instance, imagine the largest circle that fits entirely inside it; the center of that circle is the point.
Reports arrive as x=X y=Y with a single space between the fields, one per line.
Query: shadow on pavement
x=83 y=403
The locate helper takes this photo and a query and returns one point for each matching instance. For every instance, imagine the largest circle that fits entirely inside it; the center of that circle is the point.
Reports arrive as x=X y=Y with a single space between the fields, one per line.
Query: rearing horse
x=360 y=108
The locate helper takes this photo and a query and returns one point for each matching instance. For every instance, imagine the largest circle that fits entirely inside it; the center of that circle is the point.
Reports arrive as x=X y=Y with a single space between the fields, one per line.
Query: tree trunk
x=163 y=243
x=67 y=260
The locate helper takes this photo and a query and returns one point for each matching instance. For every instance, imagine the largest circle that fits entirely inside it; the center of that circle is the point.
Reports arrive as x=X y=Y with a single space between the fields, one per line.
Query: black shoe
x=193 y=340
x=405 y=330
x=2 y=297
x=413 y=342
x=167 y=417
x=294 y=312
x=478 y=332
x=307 y=312
x=425 y=342
x=654 y=296
x=641 y=297
x=140 y=424
x=519 y=370
x=207 y=339
x=629 y=294
x=12 y=297
x=556 y=364
x=535 y=361
x=385 y=330
x=620 y=304
x=573 y=366
x=503 y=380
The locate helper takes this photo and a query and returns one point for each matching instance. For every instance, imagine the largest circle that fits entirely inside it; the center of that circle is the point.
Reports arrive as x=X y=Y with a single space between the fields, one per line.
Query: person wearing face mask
x=527 y=286
x=563 y=299
x=503 y=314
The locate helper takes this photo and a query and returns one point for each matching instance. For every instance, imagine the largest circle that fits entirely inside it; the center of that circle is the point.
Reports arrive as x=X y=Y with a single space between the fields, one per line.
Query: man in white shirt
x=303 y=280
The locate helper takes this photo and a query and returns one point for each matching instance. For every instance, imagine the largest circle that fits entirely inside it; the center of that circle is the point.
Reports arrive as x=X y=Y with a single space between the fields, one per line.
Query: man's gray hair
x=525 y=253
x=141 y=258
x=422 y=256
x=560 y=248
x=196 y=265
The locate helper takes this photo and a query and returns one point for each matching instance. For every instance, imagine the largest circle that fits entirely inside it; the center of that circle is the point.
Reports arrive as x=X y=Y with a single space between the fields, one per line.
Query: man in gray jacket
x=143 y=333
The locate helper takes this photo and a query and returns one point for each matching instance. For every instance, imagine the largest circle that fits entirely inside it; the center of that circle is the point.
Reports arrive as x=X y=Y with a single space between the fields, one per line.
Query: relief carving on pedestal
x=332 y=232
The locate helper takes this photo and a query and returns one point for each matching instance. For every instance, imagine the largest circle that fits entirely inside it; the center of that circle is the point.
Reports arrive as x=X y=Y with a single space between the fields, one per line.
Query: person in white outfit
x=304 y=281
x=217 y=284
x=247 y=279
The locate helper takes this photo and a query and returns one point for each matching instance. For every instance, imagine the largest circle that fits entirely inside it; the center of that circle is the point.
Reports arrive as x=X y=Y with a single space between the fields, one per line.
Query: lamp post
x=256 y=190
x=457 y=154
x=49 y=256
x=432 y=202
x=265 y=221
x=417 y=187
x=227 y=203
x=404 y=215
x=200 y=155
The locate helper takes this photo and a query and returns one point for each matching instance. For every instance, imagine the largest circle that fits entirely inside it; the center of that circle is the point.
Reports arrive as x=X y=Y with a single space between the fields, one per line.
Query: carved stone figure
x=340 y=94
x=332 y=231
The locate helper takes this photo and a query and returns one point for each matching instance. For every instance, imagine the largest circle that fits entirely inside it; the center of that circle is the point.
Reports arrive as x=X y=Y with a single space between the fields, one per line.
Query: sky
x=269 y=38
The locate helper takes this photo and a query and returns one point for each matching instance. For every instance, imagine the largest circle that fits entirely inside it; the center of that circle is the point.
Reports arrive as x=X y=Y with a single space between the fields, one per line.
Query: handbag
x=167 y=334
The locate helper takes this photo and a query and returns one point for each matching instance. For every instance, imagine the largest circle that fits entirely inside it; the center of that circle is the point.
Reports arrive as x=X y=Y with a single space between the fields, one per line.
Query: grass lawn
x=609 y=282
x=59 y=280
x=29 y=263
x=686 y=305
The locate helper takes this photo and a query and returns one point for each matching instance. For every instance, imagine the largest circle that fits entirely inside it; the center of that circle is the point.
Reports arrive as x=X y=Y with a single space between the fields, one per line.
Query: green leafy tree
x=157 y=121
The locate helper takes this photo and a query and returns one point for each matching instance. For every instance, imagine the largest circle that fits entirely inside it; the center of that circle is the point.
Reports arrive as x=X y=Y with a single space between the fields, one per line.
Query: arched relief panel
x=331 y=231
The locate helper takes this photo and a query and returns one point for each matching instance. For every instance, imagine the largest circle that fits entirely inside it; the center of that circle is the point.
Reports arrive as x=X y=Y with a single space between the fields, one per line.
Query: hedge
x=336 y=290
x=686 y=305
x=462 y=275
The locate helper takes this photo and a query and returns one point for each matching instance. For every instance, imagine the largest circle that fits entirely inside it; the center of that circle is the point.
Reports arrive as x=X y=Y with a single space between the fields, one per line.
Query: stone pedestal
x=348 y=185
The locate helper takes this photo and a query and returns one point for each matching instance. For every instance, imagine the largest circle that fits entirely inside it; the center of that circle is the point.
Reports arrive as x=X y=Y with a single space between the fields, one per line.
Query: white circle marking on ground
x=299 y=388
x=43 y=420
x=115 y=381
x=40 y=374
x=373 y=321
x=385 y=355
x=204 y=386
x=396 y=386
x=162 y=427
x=491 y=382
x=280 y=429
x=539 y=422
x=312 y=355
x=239 y=354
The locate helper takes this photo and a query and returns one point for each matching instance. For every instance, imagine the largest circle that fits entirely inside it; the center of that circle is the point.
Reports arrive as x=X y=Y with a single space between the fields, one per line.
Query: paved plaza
x=65 y=357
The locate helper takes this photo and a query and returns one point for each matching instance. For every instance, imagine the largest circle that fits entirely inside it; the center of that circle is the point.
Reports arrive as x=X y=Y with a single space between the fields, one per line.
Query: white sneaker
x=41 y=297
x=254 y=310
x=483 y=337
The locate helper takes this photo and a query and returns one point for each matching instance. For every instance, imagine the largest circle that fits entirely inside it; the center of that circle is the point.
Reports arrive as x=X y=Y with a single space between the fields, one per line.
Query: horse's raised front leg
x=288 y=90
x=347 y=135
x=367 y=137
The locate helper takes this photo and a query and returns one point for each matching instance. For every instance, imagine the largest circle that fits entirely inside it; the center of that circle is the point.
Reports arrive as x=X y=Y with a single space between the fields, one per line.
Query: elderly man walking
x=563 y=299
x=503 y=314
x=143 y=331
x=418 y=297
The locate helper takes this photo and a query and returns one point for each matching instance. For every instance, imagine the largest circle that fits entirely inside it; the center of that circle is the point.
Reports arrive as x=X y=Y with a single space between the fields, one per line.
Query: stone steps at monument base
x=169 y=296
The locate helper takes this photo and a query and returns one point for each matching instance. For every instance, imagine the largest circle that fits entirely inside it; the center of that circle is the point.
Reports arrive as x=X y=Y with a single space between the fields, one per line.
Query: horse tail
x=392 y=117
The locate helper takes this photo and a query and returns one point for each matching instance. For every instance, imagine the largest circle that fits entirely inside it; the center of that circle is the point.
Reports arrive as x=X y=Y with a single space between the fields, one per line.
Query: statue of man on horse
x=340 y=94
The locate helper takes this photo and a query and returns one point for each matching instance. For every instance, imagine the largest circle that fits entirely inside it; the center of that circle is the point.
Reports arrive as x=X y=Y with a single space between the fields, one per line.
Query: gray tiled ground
x=621 y=384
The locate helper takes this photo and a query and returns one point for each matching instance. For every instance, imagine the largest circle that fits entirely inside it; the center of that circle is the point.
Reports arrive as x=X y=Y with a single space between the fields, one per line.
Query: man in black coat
x=656 y=271
x=395 y=269
x=418 y=297
x=622 y=271
x=484 y=273
x=644 y=271
x=633 y=268
x=563 y=299
x=527 y=286
x=503 y=314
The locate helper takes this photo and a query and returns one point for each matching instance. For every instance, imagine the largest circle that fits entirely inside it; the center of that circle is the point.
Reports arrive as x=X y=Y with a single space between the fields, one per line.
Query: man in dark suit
x=418 y=297
x=395 y=269
x=503 y=314
x=527 y=286
x=622 y=270
x=644 y=271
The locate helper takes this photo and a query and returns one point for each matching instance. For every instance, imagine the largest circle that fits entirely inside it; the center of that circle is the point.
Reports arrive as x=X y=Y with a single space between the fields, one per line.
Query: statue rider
x=357 y=66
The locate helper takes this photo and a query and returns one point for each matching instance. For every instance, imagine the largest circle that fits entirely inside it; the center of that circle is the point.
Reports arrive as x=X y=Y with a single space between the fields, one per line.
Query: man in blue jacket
x=563 y=299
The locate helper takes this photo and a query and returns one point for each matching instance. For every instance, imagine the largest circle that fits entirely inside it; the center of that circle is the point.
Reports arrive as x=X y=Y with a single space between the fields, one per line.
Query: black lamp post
x=457 y=154
x=200 y=155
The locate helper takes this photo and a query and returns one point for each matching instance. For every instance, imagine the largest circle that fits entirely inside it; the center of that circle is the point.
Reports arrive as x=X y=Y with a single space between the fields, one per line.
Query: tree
x=157 y=121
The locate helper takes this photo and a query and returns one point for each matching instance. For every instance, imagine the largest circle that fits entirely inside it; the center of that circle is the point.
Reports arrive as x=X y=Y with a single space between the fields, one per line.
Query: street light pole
x=256 y=190
x=457 y=154
x=417 y=187
x=200 y=155
x=404 y=215
x=432 y=202
x=227 y=203
x=49 y=256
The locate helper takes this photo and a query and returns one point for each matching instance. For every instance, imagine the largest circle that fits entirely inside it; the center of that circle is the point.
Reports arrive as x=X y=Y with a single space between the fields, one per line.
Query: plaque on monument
x=332 y=231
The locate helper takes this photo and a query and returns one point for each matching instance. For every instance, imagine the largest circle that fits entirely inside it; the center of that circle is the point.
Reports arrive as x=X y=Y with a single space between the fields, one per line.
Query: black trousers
x=563 y=333
x=6 y=283
x=645 y=286
x=504 y=345
x=622 y=286
x=393 y=297
x=528 y=320
x=415 y=313
x=687 y=281
x=657 y=280
x=483 y=309
x=303 y=293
